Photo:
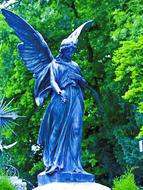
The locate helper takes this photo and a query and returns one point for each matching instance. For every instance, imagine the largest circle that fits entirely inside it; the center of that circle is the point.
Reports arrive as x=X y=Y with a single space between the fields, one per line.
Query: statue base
x=72 y=186
x=64 y=177
x=18 y=183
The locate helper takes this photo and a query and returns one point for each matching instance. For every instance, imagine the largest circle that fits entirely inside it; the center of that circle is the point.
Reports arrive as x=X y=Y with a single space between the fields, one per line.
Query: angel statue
x=60 y=132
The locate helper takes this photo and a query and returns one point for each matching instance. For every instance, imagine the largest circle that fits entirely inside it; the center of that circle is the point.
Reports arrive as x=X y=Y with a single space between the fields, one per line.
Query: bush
x=125 y=182
x=5 y=184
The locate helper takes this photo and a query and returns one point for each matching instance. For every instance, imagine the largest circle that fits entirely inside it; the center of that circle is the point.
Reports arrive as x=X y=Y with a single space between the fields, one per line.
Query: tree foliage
x=128 y=60
x=110 y=57
x=125 y=182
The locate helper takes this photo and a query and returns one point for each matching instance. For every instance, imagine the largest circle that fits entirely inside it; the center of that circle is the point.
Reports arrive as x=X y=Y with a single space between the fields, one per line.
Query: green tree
x=109 y=120
x=128 y=57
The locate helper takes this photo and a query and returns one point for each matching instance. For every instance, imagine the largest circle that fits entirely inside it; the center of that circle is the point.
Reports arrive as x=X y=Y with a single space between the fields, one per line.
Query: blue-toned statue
x=61 y=128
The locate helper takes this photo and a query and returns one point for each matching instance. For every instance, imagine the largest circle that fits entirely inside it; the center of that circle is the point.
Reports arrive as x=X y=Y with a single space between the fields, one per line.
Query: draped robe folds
x=61 y=128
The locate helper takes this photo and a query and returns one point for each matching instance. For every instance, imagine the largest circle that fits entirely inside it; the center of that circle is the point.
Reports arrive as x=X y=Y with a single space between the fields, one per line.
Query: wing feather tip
x=3 y=11
x=6 y=12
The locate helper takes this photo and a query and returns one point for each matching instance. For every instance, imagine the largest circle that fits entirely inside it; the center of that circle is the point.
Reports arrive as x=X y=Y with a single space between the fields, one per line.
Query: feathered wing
x=35 y=53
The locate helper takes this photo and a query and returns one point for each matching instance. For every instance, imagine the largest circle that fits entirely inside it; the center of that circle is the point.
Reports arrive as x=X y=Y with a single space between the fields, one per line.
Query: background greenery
x=110 y=55
x=125 y=182
x=5 y=183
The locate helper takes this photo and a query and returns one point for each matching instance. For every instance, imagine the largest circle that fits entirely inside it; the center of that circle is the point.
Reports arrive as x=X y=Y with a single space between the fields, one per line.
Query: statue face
x=68 y=52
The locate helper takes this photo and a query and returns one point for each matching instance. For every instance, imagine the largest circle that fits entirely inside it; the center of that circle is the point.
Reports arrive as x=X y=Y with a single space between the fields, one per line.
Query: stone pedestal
x=18 y=183
x=44 y=179
x=72 y=186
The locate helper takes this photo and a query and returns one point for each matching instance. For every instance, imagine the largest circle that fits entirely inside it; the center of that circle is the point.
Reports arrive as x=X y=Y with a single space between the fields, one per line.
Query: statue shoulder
x=74 y=63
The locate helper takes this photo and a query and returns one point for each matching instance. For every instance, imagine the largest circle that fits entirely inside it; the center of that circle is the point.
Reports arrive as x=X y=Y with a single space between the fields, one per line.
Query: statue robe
x=61 y=128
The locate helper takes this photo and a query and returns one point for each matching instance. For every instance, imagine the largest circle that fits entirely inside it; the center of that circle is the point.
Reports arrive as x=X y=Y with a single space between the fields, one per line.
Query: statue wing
x=35 y=53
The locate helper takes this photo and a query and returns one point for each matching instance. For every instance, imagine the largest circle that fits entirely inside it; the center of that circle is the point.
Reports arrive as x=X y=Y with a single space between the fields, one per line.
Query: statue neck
x=63 y=58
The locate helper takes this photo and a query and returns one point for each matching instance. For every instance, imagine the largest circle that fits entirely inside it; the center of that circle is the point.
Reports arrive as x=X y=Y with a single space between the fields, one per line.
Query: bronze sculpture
x=61 y=127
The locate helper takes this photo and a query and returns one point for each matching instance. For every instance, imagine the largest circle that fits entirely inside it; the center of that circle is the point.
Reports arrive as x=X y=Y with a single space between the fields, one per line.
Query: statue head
x=67 y=51
x=69 y=45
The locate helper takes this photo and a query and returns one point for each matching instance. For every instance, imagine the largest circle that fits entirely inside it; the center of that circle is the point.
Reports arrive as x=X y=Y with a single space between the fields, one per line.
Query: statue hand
x=84 y=82
x=63 y=96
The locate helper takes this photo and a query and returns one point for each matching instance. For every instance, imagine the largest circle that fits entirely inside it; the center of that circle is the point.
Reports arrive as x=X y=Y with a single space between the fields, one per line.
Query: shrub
x=125 y=182
x=5 y=184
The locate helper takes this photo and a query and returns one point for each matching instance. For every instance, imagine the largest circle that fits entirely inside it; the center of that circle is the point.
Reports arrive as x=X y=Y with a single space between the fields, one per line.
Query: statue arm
x=55 y=85
x=53 y=82
x=79 y=78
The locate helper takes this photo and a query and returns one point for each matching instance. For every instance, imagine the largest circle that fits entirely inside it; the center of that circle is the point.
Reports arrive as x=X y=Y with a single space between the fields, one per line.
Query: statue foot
x=51 y=170
x=47 y=168
x=80 y=171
